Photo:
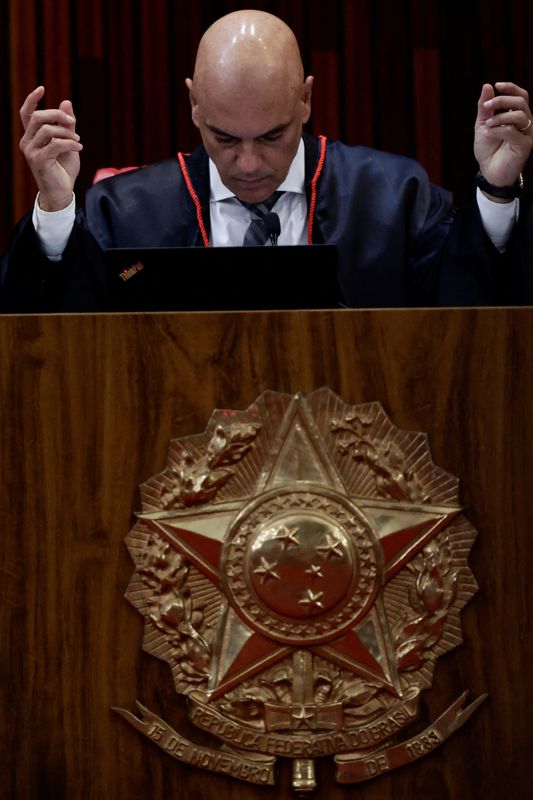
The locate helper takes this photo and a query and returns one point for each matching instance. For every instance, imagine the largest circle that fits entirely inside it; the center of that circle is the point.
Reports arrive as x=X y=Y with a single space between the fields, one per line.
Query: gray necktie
x=256 y=234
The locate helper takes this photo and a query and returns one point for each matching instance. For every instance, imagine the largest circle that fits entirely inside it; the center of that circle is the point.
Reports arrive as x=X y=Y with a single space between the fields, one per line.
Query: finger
x=506 y=134
x=67 y=108
x=30 y=105
x=38 y=157
x=506 y=112
x=49 y=116
x=47 y=133
x=507 y=102
x=526 y=129
x=483 y=112
x=518 y=119
x=506 y=87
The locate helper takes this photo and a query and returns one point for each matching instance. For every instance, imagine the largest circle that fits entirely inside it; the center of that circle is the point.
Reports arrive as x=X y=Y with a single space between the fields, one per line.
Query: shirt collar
x=294 y=182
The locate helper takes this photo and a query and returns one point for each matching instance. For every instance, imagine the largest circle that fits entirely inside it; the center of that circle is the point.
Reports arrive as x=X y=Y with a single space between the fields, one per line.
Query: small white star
x=314 y=570
x=331 y=548
x=287 y=536
x=266 y=571
x=303 y=717
x=312 y=600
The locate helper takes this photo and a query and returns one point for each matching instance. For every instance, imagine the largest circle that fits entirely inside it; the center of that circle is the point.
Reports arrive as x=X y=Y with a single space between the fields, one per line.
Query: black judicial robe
x=400 y=242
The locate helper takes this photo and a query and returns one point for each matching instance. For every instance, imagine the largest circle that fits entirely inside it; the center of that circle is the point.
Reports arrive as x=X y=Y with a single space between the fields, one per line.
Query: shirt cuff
x=54 y=228
x=498 y=219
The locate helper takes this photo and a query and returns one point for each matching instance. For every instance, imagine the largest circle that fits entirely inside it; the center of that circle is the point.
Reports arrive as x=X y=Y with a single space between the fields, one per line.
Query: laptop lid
x=223 y=278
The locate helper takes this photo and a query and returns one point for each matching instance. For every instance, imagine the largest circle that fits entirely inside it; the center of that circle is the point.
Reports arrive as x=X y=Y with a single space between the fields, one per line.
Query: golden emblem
x=301 y=565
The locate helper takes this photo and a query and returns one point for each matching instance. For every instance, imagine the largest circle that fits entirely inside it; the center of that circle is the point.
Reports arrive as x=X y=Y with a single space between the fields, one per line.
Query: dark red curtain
x=402 y=75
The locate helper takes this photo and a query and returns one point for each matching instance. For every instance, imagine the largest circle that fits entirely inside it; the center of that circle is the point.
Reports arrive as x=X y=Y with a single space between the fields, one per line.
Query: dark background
x=401 y=75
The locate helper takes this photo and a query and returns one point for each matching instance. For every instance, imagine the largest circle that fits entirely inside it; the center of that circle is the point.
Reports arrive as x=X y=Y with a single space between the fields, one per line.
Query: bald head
x=249 y=100
x=248 y=50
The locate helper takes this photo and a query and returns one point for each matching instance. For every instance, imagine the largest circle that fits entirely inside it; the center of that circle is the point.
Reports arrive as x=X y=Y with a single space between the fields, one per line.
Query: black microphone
x=272 y=227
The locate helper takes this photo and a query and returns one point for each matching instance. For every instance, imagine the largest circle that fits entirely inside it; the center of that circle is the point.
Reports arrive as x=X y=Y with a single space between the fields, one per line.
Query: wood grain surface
x=88 y=405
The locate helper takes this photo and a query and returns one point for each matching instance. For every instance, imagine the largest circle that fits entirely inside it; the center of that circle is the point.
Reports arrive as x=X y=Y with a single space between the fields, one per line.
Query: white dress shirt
x=230 y=219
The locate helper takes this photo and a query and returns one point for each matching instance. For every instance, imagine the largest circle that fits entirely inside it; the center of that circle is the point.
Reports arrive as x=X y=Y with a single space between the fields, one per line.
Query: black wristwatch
x=505 y=192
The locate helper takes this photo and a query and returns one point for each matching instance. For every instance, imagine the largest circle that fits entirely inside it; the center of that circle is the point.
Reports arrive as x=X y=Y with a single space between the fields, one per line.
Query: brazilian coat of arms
x=301 y=566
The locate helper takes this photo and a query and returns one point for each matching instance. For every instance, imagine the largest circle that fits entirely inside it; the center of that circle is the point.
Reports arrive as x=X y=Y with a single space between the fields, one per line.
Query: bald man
x=398 y=241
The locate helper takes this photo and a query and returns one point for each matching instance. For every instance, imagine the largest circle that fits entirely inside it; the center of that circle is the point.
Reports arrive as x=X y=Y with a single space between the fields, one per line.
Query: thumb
x=66 y=106
x=487 y=93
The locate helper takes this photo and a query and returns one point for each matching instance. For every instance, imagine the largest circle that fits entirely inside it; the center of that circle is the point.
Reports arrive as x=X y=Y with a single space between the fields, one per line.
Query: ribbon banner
x=309 y=745
x=353 y=768
x=260 y=769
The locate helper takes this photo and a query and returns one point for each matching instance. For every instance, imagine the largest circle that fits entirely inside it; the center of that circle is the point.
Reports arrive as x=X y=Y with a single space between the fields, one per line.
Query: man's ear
x=192 y=100
x=307 y=91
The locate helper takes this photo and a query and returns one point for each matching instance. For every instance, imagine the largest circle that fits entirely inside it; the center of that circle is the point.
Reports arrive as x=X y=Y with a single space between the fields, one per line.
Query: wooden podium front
x=88 y=406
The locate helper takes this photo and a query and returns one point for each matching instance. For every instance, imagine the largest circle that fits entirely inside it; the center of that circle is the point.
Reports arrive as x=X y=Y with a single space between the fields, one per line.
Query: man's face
x=252 y=139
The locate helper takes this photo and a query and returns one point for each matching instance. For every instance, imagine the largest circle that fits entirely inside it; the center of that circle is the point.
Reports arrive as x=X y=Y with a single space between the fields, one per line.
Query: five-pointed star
x=331 y=549
x=287 y=535
x=312 y=600
x=266 y=571
x=302 y=717
x=315 y=571
x=402 y=531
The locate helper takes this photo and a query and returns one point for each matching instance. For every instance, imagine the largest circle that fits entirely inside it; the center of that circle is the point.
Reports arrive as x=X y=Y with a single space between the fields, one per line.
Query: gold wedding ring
x=526 y=127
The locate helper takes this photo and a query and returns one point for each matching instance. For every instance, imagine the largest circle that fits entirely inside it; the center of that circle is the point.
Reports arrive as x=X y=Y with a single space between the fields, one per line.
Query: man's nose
x=249 y=157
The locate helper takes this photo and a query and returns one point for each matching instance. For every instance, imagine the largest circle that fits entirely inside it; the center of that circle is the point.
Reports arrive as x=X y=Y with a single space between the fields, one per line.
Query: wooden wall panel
x=6 y=139
x=153 y=48
x=57 y=41
x=23 y=48
x=124 y=71
x=403 y=76
x=427 y=110
x=88 y=406
x=426 y=86
x=392 y=78
x=358 y=110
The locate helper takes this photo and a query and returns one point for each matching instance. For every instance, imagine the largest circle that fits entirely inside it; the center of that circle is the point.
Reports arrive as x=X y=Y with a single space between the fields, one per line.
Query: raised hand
x=51 y=147
x=503 y=132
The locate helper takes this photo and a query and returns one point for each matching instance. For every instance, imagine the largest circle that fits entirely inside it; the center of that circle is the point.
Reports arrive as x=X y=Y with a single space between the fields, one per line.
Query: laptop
x=223 y=278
